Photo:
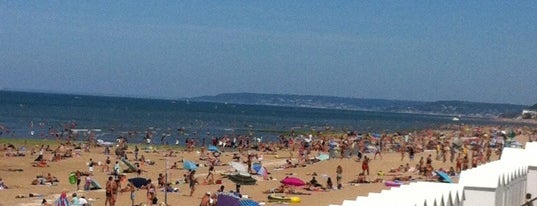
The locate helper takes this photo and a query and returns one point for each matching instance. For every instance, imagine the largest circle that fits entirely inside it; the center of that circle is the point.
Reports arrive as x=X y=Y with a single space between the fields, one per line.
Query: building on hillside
x=529 y=114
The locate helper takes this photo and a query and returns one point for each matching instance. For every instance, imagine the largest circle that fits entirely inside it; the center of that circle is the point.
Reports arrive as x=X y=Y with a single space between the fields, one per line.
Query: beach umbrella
x=260 y=170
x=213 y=148
x=256 y=166
x=444 y=177
x=189 y=165
x=239 y=167
x=242 y=179
x=138 y=181
x=263 y=172
x=293 y=181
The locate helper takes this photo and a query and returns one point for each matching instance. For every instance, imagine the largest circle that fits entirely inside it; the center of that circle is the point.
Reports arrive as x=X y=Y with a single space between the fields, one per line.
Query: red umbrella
x=294 y=181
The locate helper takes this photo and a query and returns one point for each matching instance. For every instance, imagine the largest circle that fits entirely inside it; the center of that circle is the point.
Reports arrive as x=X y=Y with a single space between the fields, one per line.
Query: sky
x=480 y=51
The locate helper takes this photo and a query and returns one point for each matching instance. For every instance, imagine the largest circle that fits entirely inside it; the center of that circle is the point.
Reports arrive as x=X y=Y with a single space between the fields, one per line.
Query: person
x=411 y=153
x=87 y=185
x=210 y=177
x=78 y=175
x=82 y=201
x=41 y=152
x=111 y=191
x=45 y=203
x=106 y=166
x=51 y=179
x=528 y=201
x=192 y=182
x=365 y=165
x=117 y=169
x=377 y=151
x=131 y=189
x=62 y=200
x=138 y=169
x=238 y=190
x=136 y=150
x=221 y=189
x=339 y=176
x=361 y=178
x=314 y=182
x=90 y=166
x=206 y=199
x=151 y=192
x=329 y=184
x=161 y=180
x=2 y=184
x=74 y=200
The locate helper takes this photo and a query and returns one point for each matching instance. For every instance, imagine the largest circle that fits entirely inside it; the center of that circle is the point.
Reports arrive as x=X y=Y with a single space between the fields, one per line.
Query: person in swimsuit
x=192 y=182
x=151 y=192
x=339 y=176
x=111 y=191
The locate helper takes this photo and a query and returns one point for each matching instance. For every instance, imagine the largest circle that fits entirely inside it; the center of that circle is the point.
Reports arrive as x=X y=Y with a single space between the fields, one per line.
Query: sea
x=40 y=115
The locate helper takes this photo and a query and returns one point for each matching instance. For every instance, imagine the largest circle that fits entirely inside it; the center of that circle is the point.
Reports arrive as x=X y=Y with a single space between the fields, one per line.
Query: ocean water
x=36 y=115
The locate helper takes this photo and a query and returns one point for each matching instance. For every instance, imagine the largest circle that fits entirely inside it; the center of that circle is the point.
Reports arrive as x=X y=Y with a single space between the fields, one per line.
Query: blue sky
x=484 y=51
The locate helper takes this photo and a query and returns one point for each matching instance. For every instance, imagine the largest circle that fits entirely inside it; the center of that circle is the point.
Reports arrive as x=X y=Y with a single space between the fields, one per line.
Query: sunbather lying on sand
x=363 y=179
x=403 y=178
x=311 y=187
x=294 y=192
x=3 y=185
x=41 y=163
x=280 y=189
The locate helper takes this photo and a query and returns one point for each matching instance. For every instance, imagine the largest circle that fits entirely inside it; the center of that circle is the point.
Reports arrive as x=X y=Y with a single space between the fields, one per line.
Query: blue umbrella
x=444 y=177
x=189 y=165
x=256 y=166
x=213 y=148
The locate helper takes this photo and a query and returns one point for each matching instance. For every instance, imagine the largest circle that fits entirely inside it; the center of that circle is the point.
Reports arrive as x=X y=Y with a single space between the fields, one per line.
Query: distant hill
x=534 y=107
x=463 y=108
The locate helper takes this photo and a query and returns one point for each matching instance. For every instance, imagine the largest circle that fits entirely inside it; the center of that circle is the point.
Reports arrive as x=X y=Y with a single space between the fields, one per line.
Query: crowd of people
x=462 y=146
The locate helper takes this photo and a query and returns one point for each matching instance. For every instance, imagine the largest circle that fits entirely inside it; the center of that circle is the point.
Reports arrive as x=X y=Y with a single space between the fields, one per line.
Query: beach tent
x=259 y=169
x=95 y=185
x=443 y=176
x=131 y=167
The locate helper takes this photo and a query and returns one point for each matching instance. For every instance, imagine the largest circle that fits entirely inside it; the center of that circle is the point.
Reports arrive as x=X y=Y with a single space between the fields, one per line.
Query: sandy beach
x=18 y=173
